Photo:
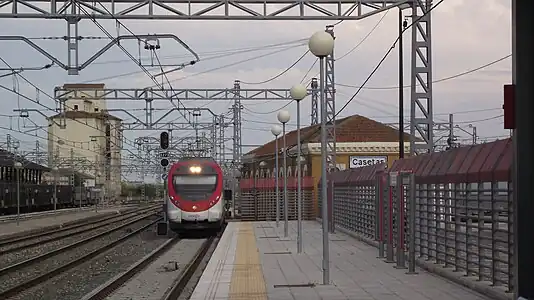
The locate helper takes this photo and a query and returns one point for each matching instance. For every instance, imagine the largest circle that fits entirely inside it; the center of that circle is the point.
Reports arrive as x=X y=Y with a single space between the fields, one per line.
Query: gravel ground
x=24 y=254
x=65 y=231
x=156 y=279
x=10 y=230
x=12 y=278
x=75 y=283
x=191 y=285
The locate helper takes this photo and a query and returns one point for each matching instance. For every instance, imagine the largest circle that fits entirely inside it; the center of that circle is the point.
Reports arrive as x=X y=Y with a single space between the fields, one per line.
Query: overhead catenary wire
x=202 y=72
x=223 y=53
x=310 y=135
x=131 y=56
x=46 y=94
x=316 y=60
x=447 y=78
x=279 y=74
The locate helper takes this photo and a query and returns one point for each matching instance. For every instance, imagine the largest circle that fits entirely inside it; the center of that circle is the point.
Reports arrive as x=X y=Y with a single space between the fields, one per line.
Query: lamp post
x=262 y=174
x=276 y=130
x=55 y=171
x=300 y=161
x=18 y=167
x=298 y=92
x=402 y=24
x=283 y=117
x=321 y=44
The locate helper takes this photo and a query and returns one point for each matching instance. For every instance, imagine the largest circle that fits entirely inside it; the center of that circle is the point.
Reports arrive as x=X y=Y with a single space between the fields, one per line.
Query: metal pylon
x=237 y=123
x=421 y=108
x=222 y=147
x=330 y=99
x=314 y=102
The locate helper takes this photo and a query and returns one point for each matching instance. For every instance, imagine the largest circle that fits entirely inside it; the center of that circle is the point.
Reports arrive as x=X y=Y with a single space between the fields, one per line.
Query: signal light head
x=164 y=162
x=164 y=140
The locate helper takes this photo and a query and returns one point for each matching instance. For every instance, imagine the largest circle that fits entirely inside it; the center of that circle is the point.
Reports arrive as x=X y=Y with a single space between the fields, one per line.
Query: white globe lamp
x=276 y=130
x=321 y=44
x=283 y=116
x=298 y=92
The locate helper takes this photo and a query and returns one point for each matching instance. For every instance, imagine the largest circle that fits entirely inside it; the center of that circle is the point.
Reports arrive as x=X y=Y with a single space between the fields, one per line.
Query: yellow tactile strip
x=247 y=276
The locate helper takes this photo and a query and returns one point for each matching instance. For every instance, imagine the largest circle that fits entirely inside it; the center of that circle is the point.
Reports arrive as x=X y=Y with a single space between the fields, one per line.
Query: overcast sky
x=466 y=35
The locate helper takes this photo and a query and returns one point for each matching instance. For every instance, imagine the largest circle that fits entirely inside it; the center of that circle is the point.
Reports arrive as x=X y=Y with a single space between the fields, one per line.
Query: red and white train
x=196 y=195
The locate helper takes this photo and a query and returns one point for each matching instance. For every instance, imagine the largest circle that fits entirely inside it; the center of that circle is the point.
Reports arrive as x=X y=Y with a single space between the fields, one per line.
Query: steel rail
x=186 y=275
x=18 y=238
x=105 y=222
x=48 y=275
x=116 y=282
x=17 y=266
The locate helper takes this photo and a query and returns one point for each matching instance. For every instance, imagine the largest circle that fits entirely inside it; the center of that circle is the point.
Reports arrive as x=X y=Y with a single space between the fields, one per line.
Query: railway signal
x=164 y=162
x=164 y=140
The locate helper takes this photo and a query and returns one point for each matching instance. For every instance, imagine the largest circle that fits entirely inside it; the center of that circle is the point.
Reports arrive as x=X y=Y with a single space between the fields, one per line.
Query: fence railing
x=450 y=212
x=258 y=198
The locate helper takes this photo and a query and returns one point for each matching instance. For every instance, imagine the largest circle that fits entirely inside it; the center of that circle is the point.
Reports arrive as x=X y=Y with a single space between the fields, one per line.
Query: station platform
x=253 y=261
x=55 y=220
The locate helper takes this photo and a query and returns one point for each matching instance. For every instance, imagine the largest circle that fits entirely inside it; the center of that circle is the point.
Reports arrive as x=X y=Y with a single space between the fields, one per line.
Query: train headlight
x=195 y=169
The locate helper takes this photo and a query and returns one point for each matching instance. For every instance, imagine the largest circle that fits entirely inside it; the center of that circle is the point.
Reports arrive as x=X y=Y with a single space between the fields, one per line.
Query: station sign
x=364 y=161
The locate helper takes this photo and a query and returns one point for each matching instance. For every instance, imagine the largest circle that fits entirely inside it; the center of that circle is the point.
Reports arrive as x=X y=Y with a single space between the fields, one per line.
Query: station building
x=360 y=141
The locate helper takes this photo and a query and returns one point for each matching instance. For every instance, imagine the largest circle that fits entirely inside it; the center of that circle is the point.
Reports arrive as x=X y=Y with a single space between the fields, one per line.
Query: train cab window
x=194 y=187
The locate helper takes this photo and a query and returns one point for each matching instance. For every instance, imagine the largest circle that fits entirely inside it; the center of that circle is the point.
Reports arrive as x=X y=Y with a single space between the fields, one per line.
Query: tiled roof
x=85 y=115
x=355 y=128
x=7 y=160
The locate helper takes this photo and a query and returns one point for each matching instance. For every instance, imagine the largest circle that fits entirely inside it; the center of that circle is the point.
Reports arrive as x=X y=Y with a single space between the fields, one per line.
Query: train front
x=195 y=195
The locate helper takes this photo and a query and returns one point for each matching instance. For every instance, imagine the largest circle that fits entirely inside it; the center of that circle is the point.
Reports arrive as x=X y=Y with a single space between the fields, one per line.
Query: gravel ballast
x=24 y=254
x=68 y=230
x=75 y=283
x=156 y=279
x=50 y=223
x=191 y=285
x=33 y=270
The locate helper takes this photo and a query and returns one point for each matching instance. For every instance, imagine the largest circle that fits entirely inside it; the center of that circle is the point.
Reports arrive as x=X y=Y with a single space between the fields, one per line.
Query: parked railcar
x=28 y=192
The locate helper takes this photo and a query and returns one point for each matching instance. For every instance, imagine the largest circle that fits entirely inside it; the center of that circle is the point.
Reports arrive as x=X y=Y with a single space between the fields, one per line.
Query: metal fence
x=258 y=199
x=448 y=211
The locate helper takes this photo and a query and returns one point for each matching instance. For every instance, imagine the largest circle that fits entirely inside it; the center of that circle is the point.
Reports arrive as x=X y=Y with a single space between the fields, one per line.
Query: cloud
x=466 y=34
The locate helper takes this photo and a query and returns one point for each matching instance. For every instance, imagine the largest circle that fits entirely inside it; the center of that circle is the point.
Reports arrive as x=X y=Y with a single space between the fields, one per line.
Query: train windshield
x=195 y=180
x=196 y=187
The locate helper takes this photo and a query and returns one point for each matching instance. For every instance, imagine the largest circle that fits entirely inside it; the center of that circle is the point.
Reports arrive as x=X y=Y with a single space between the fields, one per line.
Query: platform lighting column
x=283 y=117
x=18 y=167
x=55 y=171
x=299 y=92
x=263 y=165
x=276 y=130
x=321 y=44
x=402 y=24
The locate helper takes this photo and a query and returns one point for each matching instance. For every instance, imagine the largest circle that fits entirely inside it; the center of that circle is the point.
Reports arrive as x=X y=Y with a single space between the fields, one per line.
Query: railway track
x=24 y=275
x=45 y=234
x=179 y=284
x=34 y=240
